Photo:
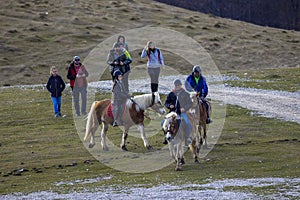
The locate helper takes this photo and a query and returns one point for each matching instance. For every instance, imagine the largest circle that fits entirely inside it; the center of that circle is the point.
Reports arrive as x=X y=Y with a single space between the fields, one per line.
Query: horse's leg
x=205 y=136
x=197 y=141
x=124 y=137
x=181 y=152
x=143 y=136
x=200 y=136
x=92 y=140
x=172 y=151
x=194 y=152
x=178 y=158
x=103 y=136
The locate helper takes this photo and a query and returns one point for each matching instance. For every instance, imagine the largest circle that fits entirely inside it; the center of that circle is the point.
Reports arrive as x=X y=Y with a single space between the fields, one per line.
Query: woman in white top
x=155 y=62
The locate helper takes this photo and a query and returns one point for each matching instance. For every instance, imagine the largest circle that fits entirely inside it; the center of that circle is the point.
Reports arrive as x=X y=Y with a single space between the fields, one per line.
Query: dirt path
x=268 y=103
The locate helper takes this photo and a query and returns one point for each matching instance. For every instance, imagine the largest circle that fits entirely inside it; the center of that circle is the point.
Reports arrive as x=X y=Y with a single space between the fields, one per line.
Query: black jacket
x=55 y=85
x=114 y=57
x=120 y=94
x=180 y=99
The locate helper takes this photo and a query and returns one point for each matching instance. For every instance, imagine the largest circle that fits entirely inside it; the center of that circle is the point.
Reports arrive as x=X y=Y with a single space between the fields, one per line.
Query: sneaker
x=115 y=124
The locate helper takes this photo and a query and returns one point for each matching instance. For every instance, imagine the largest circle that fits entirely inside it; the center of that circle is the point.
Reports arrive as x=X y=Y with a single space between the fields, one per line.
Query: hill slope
x=37 y=34
x=282 y=14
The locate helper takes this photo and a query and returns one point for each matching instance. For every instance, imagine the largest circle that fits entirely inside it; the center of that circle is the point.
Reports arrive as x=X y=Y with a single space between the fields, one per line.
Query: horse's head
x=194 y=98
x=170 y=125
x=157 y=105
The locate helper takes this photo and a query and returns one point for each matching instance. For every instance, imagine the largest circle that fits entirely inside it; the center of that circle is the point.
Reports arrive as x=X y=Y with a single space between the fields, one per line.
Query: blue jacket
x=191 y=85
x=55 y=85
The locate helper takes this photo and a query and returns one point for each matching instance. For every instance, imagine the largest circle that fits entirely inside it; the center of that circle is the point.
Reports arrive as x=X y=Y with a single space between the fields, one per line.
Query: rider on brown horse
x=195 y=81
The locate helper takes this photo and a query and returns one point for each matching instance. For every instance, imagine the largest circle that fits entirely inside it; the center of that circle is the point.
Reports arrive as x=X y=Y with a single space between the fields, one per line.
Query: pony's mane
x=171 y=114
x=143 y=101
x=193 y=94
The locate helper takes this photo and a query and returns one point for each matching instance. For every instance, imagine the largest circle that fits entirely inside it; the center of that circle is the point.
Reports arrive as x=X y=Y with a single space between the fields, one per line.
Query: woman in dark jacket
x=55 y=86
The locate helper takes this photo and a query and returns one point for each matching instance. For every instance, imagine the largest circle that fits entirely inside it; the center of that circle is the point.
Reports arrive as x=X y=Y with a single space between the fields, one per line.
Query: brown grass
x=31 y=40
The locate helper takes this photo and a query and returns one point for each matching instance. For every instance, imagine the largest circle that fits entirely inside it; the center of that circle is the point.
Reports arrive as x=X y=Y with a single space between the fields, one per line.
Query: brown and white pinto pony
x=133 y=115
x=175 y=135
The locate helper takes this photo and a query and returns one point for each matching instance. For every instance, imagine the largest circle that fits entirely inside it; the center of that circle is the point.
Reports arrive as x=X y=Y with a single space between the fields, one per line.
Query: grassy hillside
x=39 y=33
x=39 y=151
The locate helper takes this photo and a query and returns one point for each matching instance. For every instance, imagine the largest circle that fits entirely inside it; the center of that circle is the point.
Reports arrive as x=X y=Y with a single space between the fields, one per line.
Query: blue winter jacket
x=191 y=85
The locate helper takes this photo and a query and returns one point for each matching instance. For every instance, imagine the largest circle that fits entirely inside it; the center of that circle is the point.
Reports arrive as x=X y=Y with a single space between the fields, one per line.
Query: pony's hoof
x=124 y=148
x=182 y=162
x=105 y=148
x=149 y=147
x=91 y=145
x=196 y=161
x=178 y=169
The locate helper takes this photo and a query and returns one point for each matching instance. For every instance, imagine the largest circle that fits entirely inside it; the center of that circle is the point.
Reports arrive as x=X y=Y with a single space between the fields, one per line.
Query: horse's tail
x=92 y=122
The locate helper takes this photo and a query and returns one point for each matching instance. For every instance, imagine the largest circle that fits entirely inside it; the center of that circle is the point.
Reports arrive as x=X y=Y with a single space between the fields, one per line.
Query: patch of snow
x=284 y=188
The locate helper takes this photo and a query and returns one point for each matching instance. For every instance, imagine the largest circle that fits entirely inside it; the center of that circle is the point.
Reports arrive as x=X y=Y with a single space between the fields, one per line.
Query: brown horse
x=200 y=117
x=175 y=135
x=133 y=115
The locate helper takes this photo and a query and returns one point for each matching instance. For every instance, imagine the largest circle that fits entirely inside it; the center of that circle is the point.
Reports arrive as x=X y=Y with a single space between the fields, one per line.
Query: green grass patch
x=285 y=79
x=52 y=152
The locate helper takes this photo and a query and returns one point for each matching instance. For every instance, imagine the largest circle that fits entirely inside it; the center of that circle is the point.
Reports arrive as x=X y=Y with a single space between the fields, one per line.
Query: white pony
x=175 y=138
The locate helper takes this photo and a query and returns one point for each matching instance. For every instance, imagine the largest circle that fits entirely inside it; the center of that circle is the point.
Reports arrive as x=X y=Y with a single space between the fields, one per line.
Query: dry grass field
x=39 y=33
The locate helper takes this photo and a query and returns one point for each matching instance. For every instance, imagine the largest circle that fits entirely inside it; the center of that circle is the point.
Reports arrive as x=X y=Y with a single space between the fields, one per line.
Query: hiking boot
x=208 y=120
x=165 y=141
x=115 y=124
